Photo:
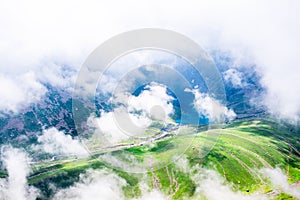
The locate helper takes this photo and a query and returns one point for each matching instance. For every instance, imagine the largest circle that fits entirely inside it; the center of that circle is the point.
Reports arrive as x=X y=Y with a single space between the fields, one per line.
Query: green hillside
x=236 y=151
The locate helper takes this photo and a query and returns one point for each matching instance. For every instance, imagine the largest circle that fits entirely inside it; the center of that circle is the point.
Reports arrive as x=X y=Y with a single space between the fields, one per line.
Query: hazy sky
x=38 y=38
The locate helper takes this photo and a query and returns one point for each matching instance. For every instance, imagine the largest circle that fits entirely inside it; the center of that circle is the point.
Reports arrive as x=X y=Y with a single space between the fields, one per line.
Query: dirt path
x=263 y=161
x=247 y=168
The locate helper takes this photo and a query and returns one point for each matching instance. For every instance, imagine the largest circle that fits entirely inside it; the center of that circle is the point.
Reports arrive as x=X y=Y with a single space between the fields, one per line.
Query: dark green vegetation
x=240 y=150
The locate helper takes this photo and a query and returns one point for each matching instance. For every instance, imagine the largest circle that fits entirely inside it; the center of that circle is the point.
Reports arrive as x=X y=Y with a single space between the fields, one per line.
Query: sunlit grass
x=236 y=153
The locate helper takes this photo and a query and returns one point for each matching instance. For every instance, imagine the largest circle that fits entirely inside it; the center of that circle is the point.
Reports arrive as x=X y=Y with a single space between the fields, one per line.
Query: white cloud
x=15 y=187
x=102 y=184
x=234 y=77
x=57 y=143
x=94 y=185
x=133 y=114
x=280 y=181
x=128 y=65
x=268 y=39
x=106 y=129
x=212 y=186
x=57 y=76
x=211 y=108
x=113 y=127
x=154 y=101
x=19 y=91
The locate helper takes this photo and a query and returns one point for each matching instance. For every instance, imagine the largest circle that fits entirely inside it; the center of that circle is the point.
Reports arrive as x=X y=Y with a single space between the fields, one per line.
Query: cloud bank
x=94 y=185
x=17 y=92
x=259 y=33
x=211 y=108
x=152 y=104
x=15 y=187
x=57 y=142
x=234 y=77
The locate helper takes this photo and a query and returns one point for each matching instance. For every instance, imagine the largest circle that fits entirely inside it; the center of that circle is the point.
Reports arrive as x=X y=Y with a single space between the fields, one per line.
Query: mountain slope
x=240 y=150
